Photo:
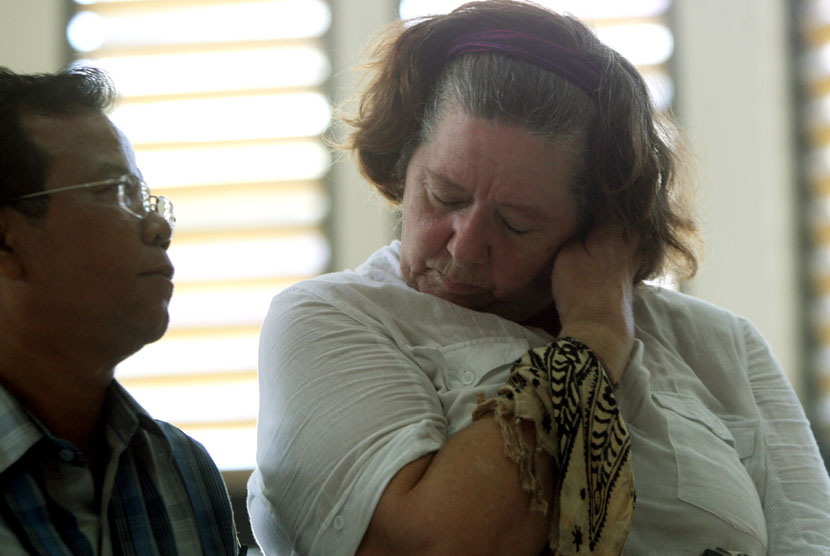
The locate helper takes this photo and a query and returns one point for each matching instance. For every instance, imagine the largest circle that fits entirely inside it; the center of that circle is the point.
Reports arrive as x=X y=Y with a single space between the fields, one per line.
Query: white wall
x=360 y=222
x=734 y=100
x=31 y=35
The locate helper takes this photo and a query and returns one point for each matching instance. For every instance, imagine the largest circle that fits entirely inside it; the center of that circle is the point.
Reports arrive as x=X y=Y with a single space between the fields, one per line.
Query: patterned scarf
x=563 y=389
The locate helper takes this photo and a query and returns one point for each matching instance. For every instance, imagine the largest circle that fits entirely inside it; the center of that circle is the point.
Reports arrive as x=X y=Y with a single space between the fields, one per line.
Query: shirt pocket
x=462 y=370
x=467 y=364
x=710 y=471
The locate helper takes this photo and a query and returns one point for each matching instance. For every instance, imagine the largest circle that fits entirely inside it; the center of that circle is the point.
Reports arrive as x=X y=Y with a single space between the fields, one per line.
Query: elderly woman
x=501 y=380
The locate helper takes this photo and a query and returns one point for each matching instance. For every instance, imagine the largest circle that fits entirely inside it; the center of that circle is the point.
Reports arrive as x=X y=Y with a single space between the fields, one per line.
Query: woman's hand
x=592 y=283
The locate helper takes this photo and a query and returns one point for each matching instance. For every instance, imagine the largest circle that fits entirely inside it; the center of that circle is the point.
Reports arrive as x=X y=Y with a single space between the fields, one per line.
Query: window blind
x=814 y=70
x=223 y=101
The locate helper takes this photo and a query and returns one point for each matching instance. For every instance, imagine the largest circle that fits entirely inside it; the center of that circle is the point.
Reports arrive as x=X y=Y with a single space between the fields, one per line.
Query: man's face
x=92 y=272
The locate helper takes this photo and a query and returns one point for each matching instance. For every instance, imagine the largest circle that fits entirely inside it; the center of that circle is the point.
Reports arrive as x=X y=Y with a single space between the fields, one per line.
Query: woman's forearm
x=467 y=498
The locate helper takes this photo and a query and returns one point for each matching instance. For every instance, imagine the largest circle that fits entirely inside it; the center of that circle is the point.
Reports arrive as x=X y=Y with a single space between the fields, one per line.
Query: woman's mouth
x=458 y=288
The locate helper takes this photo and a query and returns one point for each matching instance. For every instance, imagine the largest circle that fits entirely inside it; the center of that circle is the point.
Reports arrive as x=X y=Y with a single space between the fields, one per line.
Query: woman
x=536 y=193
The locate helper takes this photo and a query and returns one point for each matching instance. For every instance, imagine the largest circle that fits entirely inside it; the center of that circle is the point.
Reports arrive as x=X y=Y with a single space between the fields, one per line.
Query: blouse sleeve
x=342 y=409
x=796 y=496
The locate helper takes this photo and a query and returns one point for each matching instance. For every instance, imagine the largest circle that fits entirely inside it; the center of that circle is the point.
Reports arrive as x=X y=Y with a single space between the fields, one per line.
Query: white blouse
x=360 y=375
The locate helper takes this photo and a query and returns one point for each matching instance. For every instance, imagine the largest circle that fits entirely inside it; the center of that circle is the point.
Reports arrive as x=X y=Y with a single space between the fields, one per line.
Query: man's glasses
x=133 y=196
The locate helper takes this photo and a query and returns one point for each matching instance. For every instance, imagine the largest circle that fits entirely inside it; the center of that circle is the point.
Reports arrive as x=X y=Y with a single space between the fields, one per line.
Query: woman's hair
x=627 y=167
x=23 y=165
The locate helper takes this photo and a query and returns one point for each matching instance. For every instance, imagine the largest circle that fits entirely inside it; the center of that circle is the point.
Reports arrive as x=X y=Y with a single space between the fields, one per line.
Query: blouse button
x=66 y=455
x=468 y=378
x=338 y=523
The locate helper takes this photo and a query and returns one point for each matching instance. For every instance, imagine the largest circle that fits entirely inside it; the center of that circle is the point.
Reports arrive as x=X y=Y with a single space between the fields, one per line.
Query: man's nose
x=155 y=230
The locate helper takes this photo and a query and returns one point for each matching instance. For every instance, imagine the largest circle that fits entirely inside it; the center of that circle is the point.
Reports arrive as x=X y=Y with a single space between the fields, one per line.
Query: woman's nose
x=469 y=243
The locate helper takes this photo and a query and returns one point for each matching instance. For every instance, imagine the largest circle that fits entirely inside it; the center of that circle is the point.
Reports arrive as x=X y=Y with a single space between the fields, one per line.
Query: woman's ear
x=11 y=267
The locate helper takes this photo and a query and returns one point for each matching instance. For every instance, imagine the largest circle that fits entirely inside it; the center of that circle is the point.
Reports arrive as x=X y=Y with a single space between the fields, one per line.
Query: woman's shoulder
x=687 y=341
x=659 y=302
x=674 y=316
x=369 y=298
x=378 y=274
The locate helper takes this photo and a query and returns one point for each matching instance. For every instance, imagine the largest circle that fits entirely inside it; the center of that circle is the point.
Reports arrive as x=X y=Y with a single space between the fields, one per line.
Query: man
x=84 y=282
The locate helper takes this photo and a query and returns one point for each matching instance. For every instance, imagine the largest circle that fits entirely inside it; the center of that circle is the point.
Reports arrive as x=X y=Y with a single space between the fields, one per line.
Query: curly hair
x=23 y=165
x=628 y=167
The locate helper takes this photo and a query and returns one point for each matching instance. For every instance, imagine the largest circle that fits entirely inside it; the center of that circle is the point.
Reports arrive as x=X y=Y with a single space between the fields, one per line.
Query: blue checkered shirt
x=161 y=493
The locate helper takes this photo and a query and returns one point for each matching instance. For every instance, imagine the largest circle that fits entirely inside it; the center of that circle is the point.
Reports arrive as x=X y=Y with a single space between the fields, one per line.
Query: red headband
x=551 y=56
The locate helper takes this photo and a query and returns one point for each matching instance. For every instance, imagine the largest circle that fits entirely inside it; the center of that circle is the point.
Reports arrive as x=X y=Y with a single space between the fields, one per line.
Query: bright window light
x=645 y=44
x=230 y=447
x=660 y=88
x=418 y=8
x=225 y=119
x=208 y=305
x=243 y=207
x=610 y=9
x=245 y=163
x=580 y=8
x=249 y=258
x=200 y=402
x=201 y=355
x=817 y=12
x=86 y=32
x=664 y=281
x=218 y=70
x=203 y=23
x=816 y=63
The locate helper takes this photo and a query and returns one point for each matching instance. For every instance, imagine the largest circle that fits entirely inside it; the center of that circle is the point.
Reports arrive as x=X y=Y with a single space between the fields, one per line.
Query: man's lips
x=165 y=271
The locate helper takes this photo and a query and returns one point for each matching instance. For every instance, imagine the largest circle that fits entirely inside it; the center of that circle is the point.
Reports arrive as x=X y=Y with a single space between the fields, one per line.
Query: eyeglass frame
x=158 y=204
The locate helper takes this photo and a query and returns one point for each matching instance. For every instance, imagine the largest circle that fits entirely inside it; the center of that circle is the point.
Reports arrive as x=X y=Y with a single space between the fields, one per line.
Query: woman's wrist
x=612 y=345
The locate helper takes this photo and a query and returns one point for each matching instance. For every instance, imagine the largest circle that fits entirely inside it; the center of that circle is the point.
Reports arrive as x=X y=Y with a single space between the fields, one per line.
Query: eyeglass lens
x=135 y=197
x=164 y=207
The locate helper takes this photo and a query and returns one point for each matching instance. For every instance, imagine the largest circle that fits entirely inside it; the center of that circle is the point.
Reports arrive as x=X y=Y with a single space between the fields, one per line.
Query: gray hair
x=512 y=92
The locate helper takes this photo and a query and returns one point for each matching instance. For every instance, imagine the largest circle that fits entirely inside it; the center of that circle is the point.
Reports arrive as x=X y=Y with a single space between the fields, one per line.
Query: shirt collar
x=20 y=429
x=125 y=415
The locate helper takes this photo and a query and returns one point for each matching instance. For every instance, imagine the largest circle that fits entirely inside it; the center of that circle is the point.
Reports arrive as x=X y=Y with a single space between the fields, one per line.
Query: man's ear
x=11 y=267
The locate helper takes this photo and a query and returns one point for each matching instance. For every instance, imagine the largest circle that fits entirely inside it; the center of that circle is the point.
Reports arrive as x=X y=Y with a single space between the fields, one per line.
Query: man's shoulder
x=174 y=434
x=196 y=468
x=185 y=449
x=204 y=485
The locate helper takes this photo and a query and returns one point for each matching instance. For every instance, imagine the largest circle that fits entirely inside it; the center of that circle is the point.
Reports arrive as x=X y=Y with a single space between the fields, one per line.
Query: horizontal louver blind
x=815 y=76
x=223 y=102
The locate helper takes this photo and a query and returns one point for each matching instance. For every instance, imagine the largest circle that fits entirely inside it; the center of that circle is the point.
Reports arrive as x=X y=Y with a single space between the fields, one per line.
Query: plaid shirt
x=161 y=493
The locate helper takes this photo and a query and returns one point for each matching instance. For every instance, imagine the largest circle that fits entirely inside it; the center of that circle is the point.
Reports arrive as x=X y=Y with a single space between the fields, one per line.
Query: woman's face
x=486 y=207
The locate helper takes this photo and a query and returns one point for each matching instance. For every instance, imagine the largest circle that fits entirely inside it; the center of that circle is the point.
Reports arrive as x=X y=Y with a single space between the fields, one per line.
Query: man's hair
x=23 y=165
x=626 y=164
